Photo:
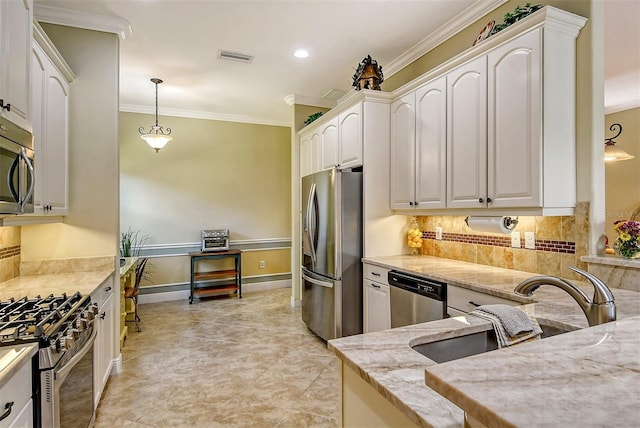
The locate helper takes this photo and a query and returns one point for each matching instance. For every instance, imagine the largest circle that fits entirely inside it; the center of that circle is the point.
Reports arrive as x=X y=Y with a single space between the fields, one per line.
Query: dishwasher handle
x=424 y=286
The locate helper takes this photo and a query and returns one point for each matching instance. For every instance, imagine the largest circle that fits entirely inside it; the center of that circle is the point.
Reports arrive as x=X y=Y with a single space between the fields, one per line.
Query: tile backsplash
x=560 y=242
x=9 y=253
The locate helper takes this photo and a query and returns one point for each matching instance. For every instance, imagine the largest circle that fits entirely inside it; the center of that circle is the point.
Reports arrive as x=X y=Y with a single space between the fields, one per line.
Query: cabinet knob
x=102 y=315
x=488 y=200
x=107 y=289
x=480 y=200
x=410 y=203
x=472 y=303
x=375 y=274
x=7 y=410
x=6 y=107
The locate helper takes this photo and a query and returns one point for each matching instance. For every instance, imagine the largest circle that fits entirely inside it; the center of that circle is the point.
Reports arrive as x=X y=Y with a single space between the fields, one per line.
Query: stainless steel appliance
x=214 y=240
x=63 y=327
x=415 y=299
x=332 y=253
x=16 y=169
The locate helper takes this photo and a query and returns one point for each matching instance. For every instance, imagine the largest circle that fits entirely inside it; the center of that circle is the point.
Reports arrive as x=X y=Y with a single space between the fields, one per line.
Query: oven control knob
x=67 y=342
x=80 y=324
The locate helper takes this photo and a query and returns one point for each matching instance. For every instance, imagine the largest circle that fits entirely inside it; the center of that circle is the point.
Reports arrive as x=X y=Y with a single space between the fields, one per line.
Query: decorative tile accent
x=500 y=241
x=9 y=252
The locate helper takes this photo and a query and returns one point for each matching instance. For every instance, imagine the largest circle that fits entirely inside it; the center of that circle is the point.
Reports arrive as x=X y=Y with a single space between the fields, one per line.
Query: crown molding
x=309 y=101
x=79 y=19
x=626 y=105
x=193 y=114
x=41 y=38
x=458 y=23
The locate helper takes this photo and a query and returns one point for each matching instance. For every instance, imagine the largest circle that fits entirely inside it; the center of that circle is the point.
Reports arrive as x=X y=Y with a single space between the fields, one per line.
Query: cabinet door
x=103 y=347
x=431 y=145
x=305 y=155
x=377 y=309
x=467 y=135
x=316 y=140
x=49 y=114
x=514 y=125
x=350 y=128
x=16 y=18
x=56 y=150
x=403 y=155
x=329 y=149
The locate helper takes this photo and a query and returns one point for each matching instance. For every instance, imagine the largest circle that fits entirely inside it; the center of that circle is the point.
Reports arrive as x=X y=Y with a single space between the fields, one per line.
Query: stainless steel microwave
x=16 y=169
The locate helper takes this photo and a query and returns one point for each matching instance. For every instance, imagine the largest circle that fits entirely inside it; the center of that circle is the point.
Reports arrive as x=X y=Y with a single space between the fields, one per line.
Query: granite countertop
x=589 y=377
x=13 y=358
x=387 y=362
x=128 y=264
x=43 y=285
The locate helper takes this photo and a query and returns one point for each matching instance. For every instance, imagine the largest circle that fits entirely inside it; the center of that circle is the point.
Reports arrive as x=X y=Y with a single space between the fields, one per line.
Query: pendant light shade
x=611 y=152
x=157 y=137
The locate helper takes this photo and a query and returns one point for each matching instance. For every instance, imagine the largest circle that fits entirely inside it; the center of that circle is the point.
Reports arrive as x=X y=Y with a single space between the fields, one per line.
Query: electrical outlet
x=530 y=240
x=261 y=264
x=515 y=239
x=438 y=233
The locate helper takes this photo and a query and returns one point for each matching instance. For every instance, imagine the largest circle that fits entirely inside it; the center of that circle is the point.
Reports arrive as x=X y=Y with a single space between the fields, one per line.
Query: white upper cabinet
x=403 y=152
x=467 y=135
x=15 y=60
x=515 y=123
x=510 y=125
x=431 y=145
x=50 y=78
x=336 y=143
x=350 y=143
x=330 y=144
x=419 y=148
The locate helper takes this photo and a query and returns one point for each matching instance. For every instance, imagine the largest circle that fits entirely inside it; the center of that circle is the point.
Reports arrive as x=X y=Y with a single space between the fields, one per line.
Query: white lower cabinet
x=376 y=303
x=17 y=390
x=461 y=300
x=104 y=344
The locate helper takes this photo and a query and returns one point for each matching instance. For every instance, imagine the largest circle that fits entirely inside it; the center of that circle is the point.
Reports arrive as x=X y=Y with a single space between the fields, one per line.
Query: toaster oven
x=214 y=240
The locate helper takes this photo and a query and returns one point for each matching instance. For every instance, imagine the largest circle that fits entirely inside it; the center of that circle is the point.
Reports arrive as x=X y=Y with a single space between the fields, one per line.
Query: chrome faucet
x=599 y=310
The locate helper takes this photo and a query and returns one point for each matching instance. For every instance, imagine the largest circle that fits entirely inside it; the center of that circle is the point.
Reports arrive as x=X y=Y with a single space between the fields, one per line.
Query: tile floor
x=228 y=362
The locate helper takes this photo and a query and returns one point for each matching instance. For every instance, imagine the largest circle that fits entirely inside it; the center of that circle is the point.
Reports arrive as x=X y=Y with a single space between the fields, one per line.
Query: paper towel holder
x=507 y=221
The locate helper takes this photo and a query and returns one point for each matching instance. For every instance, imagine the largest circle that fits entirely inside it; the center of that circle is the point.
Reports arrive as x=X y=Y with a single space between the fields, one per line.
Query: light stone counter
x=13 y=358
x=386 y=361
x=43 y=285
x=584 y=378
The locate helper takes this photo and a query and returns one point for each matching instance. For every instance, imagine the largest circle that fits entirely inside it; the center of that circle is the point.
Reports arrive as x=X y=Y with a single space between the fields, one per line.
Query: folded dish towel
x=510 y=323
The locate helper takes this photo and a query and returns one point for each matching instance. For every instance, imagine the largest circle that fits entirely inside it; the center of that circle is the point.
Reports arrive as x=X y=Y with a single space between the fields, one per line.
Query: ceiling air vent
x=235 y=56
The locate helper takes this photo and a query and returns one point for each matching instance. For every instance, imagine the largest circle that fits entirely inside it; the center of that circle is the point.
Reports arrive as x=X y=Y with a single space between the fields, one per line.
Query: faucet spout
x=598 y=310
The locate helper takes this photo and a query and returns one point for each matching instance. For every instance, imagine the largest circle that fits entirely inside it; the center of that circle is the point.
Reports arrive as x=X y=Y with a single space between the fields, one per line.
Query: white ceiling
x=179 y=42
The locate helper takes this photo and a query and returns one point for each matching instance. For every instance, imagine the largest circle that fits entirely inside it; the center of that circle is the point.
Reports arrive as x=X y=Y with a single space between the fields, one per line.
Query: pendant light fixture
x=157 y=138
x=611 y=152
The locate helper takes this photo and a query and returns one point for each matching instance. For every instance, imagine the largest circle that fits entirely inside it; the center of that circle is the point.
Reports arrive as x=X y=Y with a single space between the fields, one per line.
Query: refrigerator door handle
x=317 y=281
x=312 y=223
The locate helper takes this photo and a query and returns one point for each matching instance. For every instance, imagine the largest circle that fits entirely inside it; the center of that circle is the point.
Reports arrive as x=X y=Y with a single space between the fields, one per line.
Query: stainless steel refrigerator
x=332 y=253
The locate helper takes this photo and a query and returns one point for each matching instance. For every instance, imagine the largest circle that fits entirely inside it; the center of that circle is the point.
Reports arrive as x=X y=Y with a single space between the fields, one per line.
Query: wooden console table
x=215 y=290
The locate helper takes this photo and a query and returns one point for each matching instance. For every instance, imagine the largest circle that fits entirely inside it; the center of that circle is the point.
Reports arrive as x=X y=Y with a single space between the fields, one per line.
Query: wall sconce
x=157 y=138
x=611 y=152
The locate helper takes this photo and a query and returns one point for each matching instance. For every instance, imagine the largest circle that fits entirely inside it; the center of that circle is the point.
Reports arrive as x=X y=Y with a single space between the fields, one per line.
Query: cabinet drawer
x=102 y=293
x=466 y=300
x=18 y=390
x=375 y=273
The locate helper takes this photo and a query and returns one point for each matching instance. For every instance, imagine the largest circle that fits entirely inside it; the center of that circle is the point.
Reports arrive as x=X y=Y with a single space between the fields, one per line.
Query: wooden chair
x=132 y=293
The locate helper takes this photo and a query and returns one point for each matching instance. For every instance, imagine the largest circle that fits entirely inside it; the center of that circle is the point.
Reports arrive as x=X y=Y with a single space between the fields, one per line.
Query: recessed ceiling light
x=301 y=53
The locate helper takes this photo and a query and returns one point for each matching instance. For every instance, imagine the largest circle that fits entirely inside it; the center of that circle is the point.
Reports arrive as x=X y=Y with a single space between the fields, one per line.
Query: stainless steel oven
x=214 y=240
x=16 y=169
x=67 y=391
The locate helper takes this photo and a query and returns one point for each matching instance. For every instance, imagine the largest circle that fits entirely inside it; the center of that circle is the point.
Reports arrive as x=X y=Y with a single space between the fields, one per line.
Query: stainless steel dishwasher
x=415 y=299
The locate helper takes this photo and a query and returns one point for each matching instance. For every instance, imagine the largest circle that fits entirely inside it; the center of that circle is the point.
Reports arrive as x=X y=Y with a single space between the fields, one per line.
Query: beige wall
x=91 y=228
x=622 y=178
x=213 y=175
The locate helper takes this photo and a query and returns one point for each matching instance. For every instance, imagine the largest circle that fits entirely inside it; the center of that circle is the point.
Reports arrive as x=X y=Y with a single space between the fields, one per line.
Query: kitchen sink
x=454 y=348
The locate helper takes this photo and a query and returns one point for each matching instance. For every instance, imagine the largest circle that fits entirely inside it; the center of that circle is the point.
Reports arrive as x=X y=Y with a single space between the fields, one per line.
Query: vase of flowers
x=627 y=243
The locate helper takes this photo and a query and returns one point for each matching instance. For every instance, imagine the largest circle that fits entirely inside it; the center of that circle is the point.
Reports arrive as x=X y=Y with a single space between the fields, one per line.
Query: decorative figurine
x=368 y=75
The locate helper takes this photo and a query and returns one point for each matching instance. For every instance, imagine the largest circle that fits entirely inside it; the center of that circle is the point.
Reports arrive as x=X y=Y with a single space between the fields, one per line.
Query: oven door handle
x=63 y=372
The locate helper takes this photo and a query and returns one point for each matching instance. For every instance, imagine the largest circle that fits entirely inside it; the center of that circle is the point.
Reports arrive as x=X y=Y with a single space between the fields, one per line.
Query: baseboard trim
x=184 y=294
